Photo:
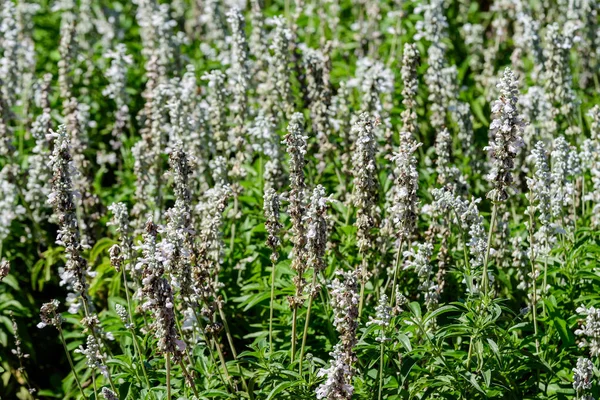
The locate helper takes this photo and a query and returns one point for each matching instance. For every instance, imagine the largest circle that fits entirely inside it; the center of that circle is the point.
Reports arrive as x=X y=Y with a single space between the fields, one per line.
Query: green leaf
x=281 y=387
x=405 y=341
x=439 y=311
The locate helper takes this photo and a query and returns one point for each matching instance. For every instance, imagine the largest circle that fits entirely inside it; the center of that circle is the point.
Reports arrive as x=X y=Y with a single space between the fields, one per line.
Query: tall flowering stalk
x=404 y=202
x=271 y=210
x=217 y=96
x=505 y=141
x=121 y=256
x=558 y=72
x=542 y=239
x=366 y=193
x=316 y=245
x=279 y=95
x=564 y=168
x=344 y=300
x=116 y=90
x=62 y=198
x=239 y=82
x=402 y=206
x=464 y=120
x=267 y=142
x=590 y=158
x=178 y=232
x=38 y=179
x=239 y=74
x=10 y=210
x=158 y=298
x=319 y=95
x=209 y=256
x=433 y=28
x=296 y=148
x=410 y=62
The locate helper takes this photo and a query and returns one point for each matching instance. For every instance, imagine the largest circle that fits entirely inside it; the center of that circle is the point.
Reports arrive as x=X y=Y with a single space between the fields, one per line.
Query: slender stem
x=233 y=225
x=93 y=330
x=307 y=322
x=470 y=352
x=484 y=279
x=534 y=280
x=574 y=214
x=583 y=197
x=227 y=331
x=223 y=363
x=189 y=378
x=381 y=362
x=396 y=268
x=362 y=296
x=272 y=306
x=230 y=340
x=545 y=288
x=136 y=345
x=168 y=362
x=64 y=343
x=363 y=279
x=208 y=344
x=294 y=323
x=94 y=384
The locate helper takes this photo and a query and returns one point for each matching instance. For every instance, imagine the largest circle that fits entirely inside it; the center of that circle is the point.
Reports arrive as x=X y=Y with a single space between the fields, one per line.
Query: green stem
x=208 y=345
x=223 y=363
x=362 y=297
x=470 y=353
x=307 y=322
x=168 y=366
x=136 y=345
x=189 y=378
x=396 y=268
x=545 y=288
x=484 y=278
x=64 y=343
x=230 y=340
x=534 y=279
x=94 y=384
x=294 y=323
x=233 y=225
x=93 y=330
x=381 y=362
x=227 y=331
x=271 y=308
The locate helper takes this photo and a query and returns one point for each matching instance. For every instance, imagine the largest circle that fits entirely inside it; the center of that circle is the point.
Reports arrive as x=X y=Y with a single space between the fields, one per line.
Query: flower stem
x=168 y=365
x=189 y=378
x=534 y=279
x=271 y=308
x=484 y=278
x=381 y=362
x=64 y=343
x=136 y=345
x=396 y=268
x=294 y=323
x=307 y=322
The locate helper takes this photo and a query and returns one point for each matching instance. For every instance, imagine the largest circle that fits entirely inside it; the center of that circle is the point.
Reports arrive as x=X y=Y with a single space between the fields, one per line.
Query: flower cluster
x=344 y=300
x=505 y=137
x=590 y=330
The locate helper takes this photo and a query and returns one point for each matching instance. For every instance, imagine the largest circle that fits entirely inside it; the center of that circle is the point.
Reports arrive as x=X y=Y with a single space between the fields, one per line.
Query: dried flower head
x=49 y=316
